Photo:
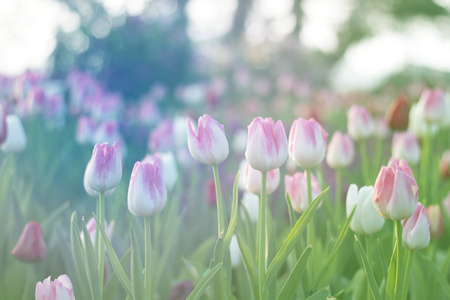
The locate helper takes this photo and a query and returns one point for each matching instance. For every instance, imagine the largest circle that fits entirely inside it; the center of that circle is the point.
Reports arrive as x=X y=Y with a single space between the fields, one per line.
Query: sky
x=28 y=29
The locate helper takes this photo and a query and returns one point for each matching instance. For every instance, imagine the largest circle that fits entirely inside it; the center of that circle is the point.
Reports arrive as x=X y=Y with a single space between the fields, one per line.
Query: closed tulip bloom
x=417 y=123
x=168 y=167
x=251 y=203
x=16 y=140
x=416 y=230
x=340 y=151
x=91 y=227
x=59 y=289
x=3 y=128
x=31 y=246
x=147 y=194
x=307 y=143
x=267 y=146
x=297 y=188
x=91 y=192
x=235 y=252
x=396 y=191
x=360 y=124
x=104 y=170
x=432 y=104
x=253 y=180
x=446 y=204
x=405 y=146
x=366 y=219
x=434 y=215
x=397 y=114
x=444 y=164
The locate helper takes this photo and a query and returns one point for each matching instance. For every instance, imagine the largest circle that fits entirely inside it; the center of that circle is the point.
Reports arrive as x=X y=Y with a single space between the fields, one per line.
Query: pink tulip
x=162 y=137
x=210 y=146
x=360 y=124
x=396 y=191
x=59 y=289
x=434 y=215
x=3 y=129
x=297 y=188
x=253 y=178
x=405 y=146
x=91 y=227
x=416 y=230
x=31 y=246
x=266 y=144
x=147 y=193
x=340 y=151
x=307 y=143
x=432 y=105
x=104 y=170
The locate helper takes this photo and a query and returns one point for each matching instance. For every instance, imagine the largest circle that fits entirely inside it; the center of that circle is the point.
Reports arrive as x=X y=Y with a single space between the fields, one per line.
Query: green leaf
x=369 y=272
x=137 y=280
x=320 y=295
x=292 y=238
x=271 y=252
x=204 y=283
x=91 y=263
x=337 y=246
x=440 y=279
x=115 y=263
x=112 y=284
x=382 y=259
x=249 y=264
x=390 y=282
x=290 y=286
x=290 y=210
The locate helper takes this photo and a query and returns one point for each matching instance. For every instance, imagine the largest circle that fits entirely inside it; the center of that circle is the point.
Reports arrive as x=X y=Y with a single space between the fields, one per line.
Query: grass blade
x=91 y=263
x=249 y=264
x=204 y=283
x=137 y=282
x=439 y=277
x=369 y=272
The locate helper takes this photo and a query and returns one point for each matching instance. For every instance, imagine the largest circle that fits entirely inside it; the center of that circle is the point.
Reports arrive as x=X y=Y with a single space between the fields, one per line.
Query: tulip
x=210 y=146
x=91 y=227
x=239 y=143
x=147 y=194
x=86 y=128
x=3 y=128
x=365 y=220
x=432 y=105
x=340 y=151
x=397 y=114
x=417 y=123
x=104 y=170
x=31 y=246
x=416 y=230
x=235 y=252
x=405 y=146
x=266 y=144
x=296 y=187
x=307 y=143
x=253 y=180
x=16 y=140
x=446 y=204
x=444 y=164
x=360 y=124
x=436 y=222
x=251 y=203
x=168 y=167
x=395 y=194
x=59 y=289
x=91 y=192
x=162 y=137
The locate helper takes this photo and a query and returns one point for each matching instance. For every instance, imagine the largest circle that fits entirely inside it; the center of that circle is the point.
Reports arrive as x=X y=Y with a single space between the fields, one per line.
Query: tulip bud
x=307 y=143
x=210 y=146
x=235 y=252
x=416 y=230
x=168 y=167
x=405 y=146
x=92 y=192
x=104 y=170
x=340 y=151
x=16 y=140
x=436 y=222
x=147 y=194
x=266 y=144
x=432 y=105
x=31 y=246
x=417 y=123
x=297 y=188
x=397 y=114
x=59 y=289
x=251 y=203
x=3 y=128
x=91 y=227
x=360 y=124
x=253 y=180
x=444 y=164
x=396 y=191
x=365 y=220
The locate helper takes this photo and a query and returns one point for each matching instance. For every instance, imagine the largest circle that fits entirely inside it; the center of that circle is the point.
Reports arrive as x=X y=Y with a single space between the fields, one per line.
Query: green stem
x=425 y=165
x=378 y=153
x=367 y=242
x=409 y=256
x=364 y=161
x=309 y=227
x=398 y=273
x=101 y=242
x=220 y=209
x=262 y=237
x=338 y=193
x=148 y=259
